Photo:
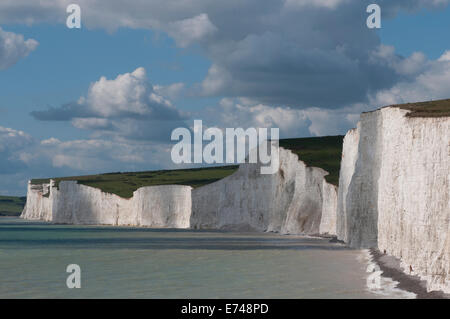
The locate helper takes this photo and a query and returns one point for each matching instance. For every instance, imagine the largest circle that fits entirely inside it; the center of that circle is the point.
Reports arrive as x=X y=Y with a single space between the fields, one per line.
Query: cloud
x=129 y=95
x=246 y=113
x=23 y=157
x=331 y=122
x=92 y=123
x=11 y=139
x=192 y=30
x=14 y=47
x=92 y=154
x=406 y=67
x=172 y=91
x=300 y=58
x=159 y=14
x=11 y=142
x=422 y=80
x=297 y=53
x=330 y=4
x=127 y=106
x=216 y=81
x=138 y=130
x=429 y=84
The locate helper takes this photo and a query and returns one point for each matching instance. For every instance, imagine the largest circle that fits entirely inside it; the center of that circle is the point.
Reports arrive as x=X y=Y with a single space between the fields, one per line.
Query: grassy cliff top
x=439 y=108
x=11 y=206
x=124 y=184
x=323 y=152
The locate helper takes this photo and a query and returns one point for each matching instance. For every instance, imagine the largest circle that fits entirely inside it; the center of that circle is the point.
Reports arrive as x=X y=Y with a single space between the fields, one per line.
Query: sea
x=132 y=262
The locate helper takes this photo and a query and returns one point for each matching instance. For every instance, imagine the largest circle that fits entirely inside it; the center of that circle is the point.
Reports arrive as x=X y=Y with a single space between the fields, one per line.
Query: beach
x=390 y=266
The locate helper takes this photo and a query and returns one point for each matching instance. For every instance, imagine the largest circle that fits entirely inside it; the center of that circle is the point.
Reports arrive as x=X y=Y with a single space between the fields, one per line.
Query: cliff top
x=439 y=108
x=124 y=184
x=324 y=152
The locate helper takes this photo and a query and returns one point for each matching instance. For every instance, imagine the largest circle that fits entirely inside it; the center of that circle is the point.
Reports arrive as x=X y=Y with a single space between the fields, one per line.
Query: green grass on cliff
x=11 y=206
x=440 y=108
x=323 y=152
x=124 y=184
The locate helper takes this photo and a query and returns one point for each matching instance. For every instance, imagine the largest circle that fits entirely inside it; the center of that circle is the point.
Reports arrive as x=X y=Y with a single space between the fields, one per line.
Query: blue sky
x=426 y=30
x=308 y=68
x=68 y=60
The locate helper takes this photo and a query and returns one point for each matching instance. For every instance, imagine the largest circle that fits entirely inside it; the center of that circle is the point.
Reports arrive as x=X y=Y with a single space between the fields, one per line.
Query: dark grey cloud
x=75 y=110
x=65 y=112
x=301 y=53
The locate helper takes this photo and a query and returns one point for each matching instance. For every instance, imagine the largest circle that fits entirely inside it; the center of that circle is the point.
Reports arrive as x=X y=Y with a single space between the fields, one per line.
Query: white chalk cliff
x=152 y=206
x=394 y=191
x=295 y=200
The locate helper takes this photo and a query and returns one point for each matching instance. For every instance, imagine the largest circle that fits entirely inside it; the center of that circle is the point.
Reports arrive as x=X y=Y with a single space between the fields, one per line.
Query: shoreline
x=390 y=267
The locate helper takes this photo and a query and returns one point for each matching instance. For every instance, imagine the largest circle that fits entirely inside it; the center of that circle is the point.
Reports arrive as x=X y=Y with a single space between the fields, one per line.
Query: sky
x=106 y=97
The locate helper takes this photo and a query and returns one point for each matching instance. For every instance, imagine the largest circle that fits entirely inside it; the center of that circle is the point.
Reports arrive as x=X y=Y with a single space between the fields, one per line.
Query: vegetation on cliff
x=439 y=108
x=324 y=152
x=124 y=184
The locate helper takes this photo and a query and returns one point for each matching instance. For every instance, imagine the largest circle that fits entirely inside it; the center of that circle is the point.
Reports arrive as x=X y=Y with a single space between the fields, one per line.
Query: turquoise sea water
x=125 y=262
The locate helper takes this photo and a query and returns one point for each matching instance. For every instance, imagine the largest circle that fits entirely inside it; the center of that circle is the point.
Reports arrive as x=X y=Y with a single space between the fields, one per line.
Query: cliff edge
x=394 y=190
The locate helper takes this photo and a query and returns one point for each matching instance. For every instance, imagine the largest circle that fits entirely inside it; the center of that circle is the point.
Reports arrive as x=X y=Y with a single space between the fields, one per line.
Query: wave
x=379 y=284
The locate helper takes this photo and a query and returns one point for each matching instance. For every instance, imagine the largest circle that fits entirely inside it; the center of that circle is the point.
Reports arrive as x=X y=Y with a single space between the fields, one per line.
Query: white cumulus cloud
x=14 y=47
x=127 y=106
x=431 y=83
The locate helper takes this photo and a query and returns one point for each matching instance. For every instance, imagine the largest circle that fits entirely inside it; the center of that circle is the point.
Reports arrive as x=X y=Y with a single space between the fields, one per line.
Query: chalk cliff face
x=38 y=205
x=394 y=191
x=295 y=200
x=329 y=209
x=348 y=161
x=153 y=206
